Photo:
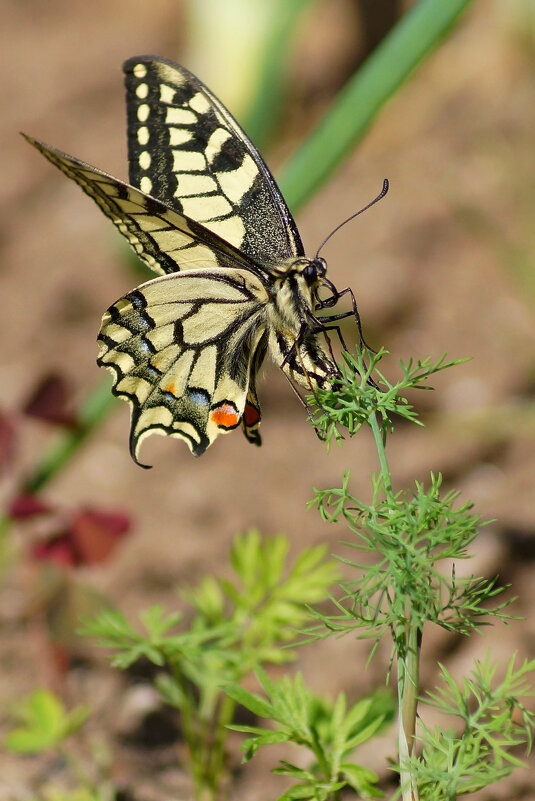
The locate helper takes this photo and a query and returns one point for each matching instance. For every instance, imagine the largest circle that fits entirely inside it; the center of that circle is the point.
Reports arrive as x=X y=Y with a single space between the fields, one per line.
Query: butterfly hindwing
x=184 y=351
x=186 y=149
x=251 y=416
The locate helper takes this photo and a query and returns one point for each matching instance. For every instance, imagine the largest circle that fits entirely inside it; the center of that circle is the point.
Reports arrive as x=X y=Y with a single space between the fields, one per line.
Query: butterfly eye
x=310 y=273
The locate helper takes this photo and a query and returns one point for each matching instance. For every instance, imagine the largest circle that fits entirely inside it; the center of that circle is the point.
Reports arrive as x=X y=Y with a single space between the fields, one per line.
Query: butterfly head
x=314 y=270
x=294 y=290
x=311 y=271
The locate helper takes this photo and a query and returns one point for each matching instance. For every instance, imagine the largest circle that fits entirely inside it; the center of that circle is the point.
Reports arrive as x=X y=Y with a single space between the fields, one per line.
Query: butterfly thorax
x=294 y=291
x=292 y=326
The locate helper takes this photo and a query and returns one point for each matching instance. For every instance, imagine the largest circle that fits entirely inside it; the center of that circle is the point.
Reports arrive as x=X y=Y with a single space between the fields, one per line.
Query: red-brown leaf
x=51 y=401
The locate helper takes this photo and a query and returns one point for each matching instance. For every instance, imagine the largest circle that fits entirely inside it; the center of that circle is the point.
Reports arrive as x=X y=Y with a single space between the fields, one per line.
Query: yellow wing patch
x=167 y=346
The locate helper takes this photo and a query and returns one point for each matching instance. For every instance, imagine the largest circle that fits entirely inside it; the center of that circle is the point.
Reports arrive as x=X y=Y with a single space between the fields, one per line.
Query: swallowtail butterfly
x=204 y=212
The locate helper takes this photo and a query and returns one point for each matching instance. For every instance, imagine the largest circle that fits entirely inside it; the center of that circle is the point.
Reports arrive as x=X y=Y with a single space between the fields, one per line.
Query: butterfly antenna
x=380 y=196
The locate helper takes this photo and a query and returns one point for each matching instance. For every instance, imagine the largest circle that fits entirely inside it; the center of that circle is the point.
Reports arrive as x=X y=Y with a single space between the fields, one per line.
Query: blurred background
x=445 y=263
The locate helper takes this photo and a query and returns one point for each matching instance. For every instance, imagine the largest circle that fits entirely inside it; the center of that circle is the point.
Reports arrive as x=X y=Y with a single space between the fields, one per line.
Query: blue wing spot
x=198 y=396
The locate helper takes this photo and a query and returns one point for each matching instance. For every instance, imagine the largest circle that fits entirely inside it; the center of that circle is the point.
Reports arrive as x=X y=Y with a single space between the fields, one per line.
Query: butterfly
x=203 y=211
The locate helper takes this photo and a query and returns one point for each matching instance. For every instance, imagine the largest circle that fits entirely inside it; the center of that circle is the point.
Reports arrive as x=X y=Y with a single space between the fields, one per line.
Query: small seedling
x=237 y=626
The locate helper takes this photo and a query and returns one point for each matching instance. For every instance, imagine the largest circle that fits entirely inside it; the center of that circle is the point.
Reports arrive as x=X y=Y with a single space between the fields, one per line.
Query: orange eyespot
x=170 y=388
x=225 y=415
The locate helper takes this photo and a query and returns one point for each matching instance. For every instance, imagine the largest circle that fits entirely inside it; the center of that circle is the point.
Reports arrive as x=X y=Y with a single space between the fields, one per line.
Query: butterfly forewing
x=186 y=149
x=183 y=350
x=164 y=239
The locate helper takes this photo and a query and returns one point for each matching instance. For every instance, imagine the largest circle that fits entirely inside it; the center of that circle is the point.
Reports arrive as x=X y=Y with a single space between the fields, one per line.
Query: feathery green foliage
x=494 y=721
x=412 y=541
x=237 y=626
x=44 y=723
x=329 y=731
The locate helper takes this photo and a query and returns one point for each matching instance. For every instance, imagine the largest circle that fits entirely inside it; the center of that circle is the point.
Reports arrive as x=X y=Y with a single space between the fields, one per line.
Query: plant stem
x=320 y=756
x=187 y=719
x=380 y=445
x=224 y=716
x=408 y=645
x=263 y=115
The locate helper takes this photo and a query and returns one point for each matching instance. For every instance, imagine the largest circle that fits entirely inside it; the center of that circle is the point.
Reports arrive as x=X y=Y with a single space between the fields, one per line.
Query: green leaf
x=366 y=734
x=300 y=791
x=253 y=702
x=170 y=690
x=207 y=598
x=157 y=622
x=45 y=723
x=349 y=117
x=362 y=780
x=288 y=769
x=483 y=751
x=251 y=745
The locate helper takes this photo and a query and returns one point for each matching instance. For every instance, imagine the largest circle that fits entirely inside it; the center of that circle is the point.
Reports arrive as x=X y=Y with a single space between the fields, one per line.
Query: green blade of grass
x=91 y=412
x=265 y=110
x=417 y=33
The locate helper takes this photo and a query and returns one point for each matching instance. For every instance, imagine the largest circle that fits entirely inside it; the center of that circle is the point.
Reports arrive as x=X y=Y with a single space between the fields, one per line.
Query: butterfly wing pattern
x=203 y=211
x=186 y=149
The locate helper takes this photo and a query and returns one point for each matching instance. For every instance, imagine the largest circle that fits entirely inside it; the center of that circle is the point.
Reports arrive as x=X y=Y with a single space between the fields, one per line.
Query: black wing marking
x=186 y=149
x=164 y=239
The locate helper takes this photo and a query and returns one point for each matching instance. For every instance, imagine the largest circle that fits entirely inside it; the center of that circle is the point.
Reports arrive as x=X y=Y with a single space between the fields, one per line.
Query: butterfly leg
x=331 y=301
x=322 y=328
x=297 y=341
x=308 y=409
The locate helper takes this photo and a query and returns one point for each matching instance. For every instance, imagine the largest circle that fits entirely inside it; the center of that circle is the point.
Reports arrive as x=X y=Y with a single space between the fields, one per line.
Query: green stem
x=93 y=410
x=263 y=115
x=380 y=445
x=359 y=102
x=408 y=645
x=225 y=716
x=320 y=756
x=187 y=719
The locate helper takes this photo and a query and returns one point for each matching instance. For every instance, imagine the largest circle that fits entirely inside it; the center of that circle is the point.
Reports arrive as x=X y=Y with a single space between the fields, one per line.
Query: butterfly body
x=203 y=211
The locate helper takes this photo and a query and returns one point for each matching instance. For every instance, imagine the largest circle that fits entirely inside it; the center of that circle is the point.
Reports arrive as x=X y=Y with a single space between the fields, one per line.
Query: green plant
x=213 y=650
x=329 y=731
x=410 y=537
x=43 y=725
x=493 y=722
x=236 y=627
x=412 y=541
